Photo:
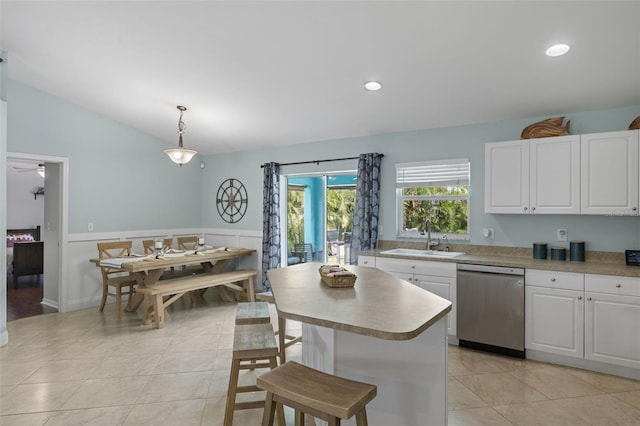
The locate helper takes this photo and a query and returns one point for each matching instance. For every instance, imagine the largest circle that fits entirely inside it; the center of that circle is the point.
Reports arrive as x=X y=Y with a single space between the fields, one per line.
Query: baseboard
x=4 y=337
x=50 y=303
x=76 y=305
x=585 y=364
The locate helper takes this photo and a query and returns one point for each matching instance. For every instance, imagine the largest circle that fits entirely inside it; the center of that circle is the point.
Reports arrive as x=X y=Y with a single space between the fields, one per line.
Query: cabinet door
x=554 y=321
x=609 y=169
x=611 y=329
x=555 y=175
x=506 y=179
x=444 y=287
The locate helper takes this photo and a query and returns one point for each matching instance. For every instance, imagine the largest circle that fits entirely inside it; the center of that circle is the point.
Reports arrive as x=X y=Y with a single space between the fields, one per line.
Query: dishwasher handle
x=504 y=270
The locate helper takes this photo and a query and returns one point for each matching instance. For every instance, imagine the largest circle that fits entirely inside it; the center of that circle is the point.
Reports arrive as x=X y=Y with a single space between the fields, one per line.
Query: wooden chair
x=284 y=340
x=115 y=278
x=318 y=394
x=188 y=243
x=149 y=248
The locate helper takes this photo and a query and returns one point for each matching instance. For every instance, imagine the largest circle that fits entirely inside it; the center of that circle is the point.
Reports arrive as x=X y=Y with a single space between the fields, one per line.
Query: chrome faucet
x=427 y=229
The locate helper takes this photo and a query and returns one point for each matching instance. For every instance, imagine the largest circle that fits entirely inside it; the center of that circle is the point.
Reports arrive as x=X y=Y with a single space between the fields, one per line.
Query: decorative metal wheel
x=232 y=200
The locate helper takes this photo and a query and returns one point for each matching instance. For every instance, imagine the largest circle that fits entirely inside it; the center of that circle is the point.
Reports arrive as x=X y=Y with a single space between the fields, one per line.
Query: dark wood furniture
x=27 y=260
x=28 y=256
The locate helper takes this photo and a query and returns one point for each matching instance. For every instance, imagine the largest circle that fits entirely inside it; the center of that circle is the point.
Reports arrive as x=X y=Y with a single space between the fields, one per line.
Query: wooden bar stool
x=254 y=346
x=285 y=340
x=318 y=394
x=253 y=313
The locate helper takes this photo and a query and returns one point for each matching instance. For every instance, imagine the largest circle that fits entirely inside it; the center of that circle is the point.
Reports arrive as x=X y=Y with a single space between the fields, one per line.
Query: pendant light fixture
x=180 y=155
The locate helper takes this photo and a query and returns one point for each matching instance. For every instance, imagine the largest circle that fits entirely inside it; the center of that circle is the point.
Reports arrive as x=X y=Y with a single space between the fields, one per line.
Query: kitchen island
x=382 y=331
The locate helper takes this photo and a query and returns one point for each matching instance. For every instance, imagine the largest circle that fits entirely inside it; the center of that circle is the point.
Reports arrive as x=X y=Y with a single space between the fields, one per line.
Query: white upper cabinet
x=555 y=175
x=533 y=176
x=610 y=184
x=506 y=177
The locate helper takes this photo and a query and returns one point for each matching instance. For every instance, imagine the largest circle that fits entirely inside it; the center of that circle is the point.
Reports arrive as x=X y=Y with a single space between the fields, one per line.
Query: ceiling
x=259 y=74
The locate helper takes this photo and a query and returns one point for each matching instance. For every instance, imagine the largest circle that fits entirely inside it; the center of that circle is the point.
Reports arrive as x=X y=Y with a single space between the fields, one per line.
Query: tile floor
x=88 y=368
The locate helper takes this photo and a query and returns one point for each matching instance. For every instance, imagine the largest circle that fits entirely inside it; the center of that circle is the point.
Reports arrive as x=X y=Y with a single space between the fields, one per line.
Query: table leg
x=216 y=269
x=150 y=278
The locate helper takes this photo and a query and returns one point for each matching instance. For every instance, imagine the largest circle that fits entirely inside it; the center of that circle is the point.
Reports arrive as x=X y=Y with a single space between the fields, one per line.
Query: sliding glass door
x=319 y=215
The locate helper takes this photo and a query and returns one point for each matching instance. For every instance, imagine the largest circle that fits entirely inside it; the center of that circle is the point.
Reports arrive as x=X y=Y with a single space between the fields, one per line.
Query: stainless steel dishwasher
x=490 y=303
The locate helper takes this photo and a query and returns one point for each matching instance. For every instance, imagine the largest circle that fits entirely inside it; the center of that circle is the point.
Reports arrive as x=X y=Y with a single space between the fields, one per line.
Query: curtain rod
x=317 y=161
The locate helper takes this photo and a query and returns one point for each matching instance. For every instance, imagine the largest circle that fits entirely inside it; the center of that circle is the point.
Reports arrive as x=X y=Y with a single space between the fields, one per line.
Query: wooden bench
x=319 y=394
x=154 y=304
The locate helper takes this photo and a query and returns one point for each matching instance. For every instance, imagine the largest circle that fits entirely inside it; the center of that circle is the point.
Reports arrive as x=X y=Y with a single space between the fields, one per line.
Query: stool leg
x=269 y=410
x=333 y=421
x=273 y=363
x=299 y=418
x=282 y=331
x=231 y=392
x=361 y=418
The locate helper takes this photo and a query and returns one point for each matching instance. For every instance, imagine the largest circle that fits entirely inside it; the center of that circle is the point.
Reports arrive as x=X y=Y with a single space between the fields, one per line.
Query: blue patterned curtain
x=367 y=209
x=270 y=221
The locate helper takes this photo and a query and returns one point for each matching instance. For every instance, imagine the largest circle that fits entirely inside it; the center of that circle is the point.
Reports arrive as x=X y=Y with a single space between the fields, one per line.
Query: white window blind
x=453 y=172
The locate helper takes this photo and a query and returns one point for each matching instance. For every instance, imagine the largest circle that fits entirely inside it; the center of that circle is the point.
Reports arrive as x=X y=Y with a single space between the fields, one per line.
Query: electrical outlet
x=487 y=233
x=562 y=235
x=90 y=226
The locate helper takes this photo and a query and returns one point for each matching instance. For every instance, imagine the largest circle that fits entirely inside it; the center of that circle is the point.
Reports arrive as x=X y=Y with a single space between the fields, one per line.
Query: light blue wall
x=119 y=178
x=600 y=233
x=4 y=337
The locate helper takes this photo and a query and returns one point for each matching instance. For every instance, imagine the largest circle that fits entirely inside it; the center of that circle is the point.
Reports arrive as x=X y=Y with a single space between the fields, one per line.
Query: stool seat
x=318 y=394
x=252 y=313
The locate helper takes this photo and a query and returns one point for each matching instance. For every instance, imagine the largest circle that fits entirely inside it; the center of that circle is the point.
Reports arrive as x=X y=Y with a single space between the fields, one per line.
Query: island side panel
x=411 y=375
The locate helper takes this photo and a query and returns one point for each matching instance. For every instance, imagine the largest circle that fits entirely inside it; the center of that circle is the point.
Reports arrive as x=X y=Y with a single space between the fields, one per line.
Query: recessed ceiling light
x=558 y=50
x=372 y=86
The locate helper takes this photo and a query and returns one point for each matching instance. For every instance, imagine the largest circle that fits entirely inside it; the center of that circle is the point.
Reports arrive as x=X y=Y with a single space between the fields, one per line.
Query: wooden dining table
x=151 y=268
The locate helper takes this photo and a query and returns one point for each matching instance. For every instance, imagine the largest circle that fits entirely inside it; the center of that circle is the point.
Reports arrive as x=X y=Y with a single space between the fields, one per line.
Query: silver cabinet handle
x=579 y=297
x=525 y=209
x=533 y=209
x=634 y=208
x=588 y=298
x=413 y=266
x=618 y=285
x=553 y=280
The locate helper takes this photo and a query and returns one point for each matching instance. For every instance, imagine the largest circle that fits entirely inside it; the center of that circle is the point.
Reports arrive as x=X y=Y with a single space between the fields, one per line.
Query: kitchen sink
x=421 y=253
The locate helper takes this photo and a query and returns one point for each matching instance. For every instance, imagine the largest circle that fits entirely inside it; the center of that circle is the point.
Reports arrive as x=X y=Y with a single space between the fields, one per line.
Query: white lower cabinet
x=437 y=277
x=595 y=317
x=554 y=321
x=612 y=320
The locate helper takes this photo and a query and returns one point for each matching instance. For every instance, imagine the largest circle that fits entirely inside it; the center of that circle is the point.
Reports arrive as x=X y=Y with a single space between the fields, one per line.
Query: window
x=434 y=190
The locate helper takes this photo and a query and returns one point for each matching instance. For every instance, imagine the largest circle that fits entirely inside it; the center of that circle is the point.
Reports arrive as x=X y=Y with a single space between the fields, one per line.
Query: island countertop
x=379 y=305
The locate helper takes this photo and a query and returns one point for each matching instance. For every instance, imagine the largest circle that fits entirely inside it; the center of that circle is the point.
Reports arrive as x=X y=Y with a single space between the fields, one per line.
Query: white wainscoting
x=84 y=286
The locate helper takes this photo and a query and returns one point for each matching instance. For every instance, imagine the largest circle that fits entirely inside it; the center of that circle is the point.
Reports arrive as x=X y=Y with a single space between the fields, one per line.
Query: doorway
x=319 y=217
x=53 y=234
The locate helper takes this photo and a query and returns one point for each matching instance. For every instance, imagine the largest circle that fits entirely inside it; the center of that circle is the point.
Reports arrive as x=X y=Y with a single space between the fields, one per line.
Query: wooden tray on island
x=337 y=276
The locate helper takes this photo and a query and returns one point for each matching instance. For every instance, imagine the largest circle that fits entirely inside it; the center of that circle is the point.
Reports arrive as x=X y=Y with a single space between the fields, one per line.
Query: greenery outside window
x=434 y=190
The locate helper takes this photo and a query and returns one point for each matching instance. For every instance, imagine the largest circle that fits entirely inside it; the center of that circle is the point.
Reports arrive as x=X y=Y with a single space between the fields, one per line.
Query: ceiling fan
x=39 y=169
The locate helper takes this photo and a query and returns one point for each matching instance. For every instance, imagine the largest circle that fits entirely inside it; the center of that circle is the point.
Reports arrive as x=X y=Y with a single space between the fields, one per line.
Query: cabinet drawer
x=611 y=284
x=440 y=269
x=369 y=261
x=554 y=279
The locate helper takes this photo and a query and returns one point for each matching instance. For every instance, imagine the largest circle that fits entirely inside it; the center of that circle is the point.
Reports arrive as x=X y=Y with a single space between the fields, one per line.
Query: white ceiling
x=261 y=74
